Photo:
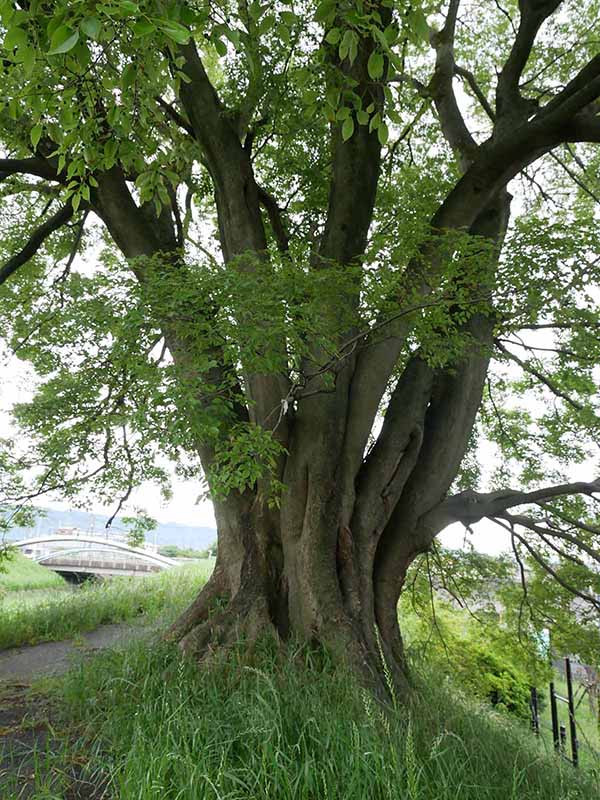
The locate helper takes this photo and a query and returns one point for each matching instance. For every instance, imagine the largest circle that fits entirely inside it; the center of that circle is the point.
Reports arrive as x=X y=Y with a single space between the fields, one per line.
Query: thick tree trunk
x=312 y=580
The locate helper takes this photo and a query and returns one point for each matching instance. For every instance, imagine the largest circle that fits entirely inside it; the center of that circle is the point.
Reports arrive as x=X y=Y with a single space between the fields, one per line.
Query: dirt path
x=23 y=664
x=26 y=718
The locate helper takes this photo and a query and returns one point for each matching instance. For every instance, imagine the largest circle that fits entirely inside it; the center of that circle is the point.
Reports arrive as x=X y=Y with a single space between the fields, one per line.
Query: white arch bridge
x=81 y=556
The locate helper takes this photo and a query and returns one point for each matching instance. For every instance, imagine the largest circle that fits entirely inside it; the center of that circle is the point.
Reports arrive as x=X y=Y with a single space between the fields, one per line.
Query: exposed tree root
x=243 y=620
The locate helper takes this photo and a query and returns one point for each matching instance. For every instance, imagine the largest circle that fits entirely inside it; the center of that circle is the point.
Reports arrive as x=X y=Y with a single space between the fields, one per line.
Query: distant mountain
x=186 y=536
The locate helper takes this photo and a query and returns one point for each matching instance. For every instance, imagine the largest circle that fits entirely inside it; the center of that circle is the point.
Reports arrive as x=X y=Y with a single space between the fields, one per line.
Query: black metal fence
x=567 y=744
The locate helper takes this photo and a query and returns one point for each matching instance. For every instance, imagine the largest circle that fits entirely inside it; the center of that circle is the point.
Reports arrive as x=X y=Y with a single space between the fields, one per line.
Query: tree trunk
x=330 y=566
x=314 y=581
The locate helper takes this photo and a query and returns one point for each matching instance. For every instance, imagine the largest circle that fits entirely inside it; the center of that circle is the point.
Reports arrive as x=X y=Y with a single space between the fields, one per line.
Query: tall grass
x=62 y=615
x=268 y=726
x=20 y=573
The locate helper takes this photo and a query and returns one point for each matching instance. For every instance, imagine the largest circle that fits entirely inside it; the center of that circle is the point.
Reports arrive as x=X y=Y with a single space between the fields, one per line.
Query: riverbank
x=33 y=616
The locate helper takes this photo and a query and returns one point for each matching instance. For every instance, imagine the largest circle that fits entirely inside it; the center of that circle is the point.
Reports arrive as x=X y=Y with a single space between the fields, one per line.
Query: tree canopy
x=313 y=253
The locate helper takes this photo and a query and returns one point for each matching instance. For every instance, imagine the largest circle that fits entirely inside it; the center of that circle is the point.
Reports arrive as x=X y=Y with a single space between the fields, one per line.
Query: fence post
x=572 y=722
x=554 y=713
x=563 y=739
x=535 y=717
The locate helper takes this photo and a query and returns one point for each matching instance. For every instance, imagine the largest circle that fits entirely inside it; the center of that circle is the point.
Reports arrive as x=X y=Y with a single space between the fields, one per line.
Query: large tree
x=273 y=242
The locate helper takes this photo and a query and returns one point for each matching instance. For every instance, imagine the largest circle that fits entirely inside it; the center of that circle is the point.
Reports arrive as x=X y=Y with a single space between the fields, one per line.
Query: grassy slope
x=21 y=573
x=52 y=616
x=263 y=727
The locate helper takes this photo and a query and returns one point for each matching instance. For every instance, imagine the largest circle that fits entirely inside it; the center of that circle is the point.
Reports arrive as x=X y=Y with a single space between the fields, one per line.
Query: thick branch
x=509 y=102
x=275 y=218
x=388 y=465
x=355 y=164
x=470 y=507
x=38 y=167
x=441 y=89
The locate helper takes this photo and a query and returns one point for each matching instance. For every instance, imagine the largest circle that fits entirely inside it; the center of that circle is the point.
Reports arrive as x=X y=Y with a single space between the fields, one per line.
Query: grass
x=283 y=726
x=56 y=615
x=21 y=573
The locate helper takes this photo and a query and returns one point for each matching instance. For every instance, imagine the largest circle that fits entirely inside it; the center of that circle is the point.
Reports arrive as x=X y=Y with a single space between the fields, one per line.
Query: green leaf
x=375 y=65
x=28 y=55
x=362 y=117
x=232 y=34
x=283 y=32
x=128 y=76
x=333 y=36
x=129 y=6
x=266 y=25
x=375 y=121
x=35 y=135
x=143 y=27
x=391 y=34
x=91 y=27
x=289 y=18
x=63 y=40
x=347 y=129
x=16 y=37
x=353 y=49
x=325 y=10
x=220 y=46
x=174 y=31
x=254 y=9
x=418 y=24
x=344 y=47
x=382 y=133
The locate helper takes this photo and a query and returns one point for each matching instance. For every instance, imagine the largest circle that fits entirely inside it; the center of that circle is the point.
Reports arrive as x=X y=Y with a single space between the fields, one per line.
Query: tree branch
x=468 y=76
x=541 y=377
x=37 y=238
x=469 y=507
x=509 y=102
x=558 y=533
x=173 y=114
x=275 y=218
x=440 y=88
x=551 y=571
x=36 y=166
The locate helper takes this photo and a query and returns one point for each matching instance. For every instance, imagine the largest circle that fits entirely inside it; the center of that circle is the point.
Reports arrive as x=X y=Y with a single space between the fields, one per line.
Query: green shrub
x=494 y=678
